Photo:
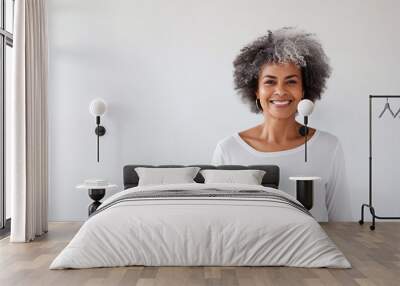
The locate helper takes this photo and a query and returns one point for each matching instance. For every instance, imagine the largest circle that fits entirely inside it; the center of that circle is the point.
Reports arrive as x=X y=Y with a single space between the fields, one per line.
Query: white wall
x=165 y=68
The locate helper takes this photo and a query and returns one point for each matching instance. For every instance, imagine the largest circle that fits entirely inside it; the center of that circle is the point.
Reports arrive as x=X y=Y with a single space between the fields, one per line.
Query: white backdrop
x=165 y=69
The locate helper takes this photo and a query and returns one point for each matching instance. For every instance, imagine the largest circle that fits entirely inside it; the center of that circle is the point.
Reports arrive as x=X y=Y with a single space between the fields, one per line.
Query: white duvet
x=200 y=231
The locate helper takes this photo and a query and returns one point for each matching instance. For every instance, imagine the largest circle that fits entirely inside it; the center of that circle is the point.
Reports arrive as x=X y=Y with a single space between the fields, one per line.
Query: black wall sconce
x=97 y=108
x=305 y=108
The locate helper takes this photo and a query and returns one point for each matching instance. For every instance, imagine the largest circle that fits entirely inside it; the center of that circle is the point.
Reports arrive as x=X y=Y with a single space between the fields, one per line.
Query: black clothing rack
x=369 y=205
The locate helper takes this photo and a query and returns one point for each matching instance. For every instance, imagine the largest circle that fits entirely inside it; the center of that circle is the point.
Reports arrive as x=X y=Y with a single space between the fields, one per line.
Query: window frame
x=6 y=39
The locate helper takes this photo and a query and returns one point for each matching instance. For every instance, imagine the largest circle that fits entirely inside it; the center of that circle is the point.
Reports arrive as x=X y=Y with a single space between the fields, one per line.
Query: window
x=6 y=44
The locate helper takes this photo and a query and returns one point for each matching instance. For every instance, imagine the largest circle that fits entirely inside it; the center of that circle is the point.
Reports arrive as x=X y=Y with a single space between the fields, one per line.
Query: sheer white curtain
x=28 y=122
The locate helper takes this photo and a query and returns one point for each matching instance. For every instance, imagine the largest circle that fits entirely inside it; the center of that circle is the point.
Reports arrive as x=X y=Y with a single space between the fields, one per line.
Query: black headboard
x=270 y=179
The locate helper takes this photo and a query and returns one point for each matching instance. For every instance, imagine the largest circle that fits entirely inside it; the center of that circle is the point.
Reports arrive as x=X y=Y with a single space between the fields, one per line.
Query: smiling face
x=280 y=89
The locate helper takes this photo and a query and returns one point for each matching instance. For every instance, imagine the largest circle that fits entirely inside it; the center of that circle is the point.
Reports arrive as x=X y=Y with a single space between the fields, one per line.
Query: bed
x=201 y=224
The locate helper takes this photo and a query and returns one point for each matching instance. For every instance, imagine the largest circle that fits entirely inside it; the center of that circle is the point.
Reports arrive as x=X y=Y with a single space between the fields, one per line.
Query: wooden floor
x=375 y=256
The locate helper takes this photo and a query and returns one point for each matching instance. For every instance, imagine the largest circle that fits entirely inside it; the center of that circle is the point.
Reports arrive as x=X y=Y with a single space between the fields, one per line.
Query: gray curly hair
x=282 y=46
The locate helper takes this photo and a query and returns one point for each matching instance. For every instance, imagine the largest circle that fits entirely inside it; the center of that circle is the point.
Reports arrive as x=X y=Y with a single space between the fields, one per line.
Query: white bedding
x=200 y=231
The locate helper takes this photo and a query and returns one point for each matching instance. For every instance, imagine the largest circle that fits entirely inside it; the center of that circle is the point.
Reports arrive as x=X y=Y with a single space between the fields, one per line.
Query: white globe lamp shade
x=97 y=107
x=305 y=107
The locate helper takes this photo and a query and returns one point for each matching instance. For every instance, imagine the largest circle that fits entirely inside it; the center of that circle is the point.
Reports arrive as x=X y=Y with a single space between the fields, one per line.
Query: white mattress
x=200 y=231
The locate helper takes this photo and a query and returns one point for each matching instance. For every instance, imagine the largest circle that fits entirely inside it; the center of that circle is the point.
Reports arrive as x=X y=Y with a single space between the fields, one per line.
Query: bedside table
x=305 y=190
x=96 y=193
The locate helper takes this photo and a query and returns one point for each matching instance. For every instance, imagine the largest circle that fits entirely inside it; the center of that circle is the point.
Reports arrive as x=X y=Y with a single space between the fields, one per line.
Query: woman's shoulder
x=228 y=141
x=327 y=136
x=327 y=140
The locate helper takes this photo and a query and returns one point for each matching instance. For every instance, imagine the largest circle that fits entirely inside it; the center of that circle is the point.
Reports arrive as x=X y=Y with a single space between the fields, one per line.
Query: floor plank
x=375 y=257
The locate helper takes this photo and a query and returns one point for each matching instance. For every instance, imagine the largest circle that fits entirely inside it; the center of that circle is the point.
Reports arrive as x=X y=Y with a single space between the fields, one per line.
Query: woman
x=273 y=74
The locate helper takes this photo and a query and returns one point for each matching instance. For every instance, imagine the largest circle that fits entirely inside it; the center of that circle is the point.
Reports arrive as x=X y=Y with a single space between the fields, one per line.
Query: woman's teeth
x=281 y=102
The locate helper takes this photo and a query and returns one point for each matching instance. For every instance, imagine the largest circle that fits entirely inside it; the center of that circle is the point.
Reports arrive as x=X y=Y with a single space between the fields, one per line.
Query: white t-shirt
x=325 y=159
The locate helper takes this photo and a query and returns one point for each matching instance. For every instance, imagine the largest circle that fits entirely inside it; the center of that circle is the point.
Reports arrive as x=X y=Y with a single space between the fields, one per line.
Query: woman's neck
x=279 y=131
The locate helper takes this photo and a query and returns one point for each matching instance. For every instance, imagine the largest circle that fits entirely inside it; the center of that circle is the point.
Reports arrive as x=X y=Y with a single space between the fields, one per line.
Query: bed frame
x=270 y=179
